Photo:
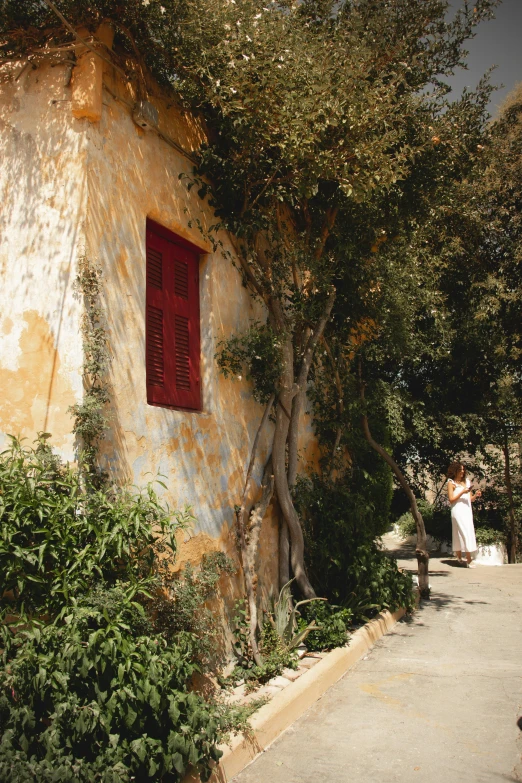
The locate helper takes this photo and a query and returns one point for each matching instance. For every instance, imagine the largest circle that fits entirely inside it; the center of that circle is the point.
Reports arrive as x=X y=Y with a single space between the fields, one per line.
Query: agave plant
x=284 y=618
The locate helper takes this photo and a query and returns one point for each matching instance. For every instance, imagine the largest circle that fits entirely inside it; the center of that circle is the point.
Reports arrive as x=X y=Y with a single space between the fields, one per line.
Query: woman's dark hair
x=453 y=469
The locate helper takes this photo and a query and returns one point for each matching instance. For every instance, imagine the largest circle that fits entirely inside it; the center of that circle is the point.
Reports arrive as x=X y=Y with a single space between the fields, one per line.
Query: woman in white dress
x=460 y=497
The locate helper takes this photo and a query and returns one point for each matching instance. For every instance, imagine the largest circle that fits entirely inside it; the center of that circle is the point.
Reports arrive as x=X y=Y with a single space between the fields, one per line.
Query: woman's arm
x=454 y=494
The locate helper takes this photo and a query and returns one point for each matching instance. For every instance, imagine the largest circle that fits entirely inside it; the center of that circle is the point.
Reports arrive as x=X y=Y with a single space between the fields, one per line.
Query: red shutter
x=172 y=321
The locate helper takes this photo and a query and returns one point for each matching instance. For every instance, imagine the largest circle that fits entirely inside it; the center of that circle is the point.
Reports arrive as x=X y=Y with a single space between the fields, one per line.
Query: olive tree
x=314 y=109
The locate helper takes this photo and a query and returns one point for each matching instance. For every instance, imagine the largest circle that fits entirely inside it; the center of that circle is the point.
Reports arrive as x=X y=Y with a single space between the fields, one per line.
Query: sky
x=498 y=42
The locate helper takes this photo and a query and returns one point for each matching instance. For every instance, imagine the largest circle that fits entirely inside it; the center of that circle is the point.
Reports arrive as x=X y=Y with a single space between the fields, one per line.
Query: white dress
x=462 y=522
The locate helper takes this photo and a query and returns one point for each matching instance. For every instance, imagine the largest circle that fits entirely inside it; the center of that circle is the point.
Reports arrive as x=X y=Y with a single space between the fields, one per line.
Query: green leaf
x=139 y=747
x=130 y=717
x=177 y=762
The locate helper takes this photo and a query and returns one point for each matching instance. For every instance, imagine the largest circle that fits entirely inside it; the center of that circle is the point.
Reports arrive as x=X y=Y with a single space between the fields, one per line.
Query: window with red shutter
x=172 y=338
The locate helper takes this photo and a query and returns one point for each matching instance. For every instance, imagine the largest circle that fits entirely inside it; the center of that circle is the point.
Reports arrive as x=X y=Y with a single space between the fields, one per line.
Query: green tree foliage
x=467 y=389
x=305 y=156
x=257 y=352
x=488 y=319
x=330 y=130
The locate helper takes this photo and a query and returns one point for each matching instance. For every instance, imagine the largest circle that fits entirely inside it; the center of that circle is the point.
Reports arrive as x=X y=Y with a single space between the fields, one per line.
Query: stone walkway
x=436 y=700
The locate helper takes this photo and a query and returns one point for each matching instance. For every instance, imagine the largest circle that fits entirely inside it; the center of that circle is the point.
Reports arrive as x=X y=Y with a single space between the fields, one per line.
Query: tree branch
x=329 y=221
x=85 y=43
x=256 y=285
x=513 y=533
x=314 y=338
x=256 y=518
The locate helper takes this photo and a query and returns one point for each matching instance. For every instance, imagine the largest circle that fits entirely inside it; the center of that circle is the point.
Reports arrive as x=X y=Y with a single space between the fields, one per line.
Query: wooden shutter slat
x=182 y=352
x=155 y=347
x=181 y=285
x=154 y=268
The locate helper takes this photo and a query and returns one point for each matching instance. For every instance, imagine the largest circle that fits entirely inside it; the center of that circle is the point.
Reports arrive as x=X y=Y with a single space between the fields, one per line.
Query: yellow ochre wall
x=43 y=195
x=79 y=176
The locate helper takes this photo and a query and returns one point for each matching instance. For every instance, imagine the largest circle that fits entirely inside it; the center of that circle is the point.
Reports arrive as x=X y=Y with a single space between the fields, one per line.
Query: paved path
x=435 y=701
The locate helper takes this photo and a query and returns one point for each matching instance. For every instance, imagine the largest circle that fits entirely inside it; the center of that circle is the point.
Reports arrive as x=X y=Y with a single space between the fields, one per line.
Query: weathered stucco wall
x=89 y=182
x=133 y=175
x=43 y=191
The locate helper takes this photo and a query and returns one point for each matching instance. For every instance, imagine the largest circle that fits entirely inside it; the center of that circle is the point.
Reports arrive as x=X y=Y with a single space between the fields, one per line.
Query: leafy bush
x=97 y=662
x=343 y=561
x=276 y=655
x=332 y=622
x=406 y=525
x=85 y=699
x=318 y=624
x=488 y=536
x=180 y=605
x=438 y=524
x=437 y=521
x=58 y=537
x=492 y=511
x=284 y=616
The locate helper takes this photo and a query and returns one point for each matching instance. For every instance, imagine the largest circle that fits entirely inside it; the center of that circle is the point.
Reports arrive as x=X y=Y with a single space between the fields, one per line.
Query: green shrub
x=86 y=699
x=487 y=515
x=332 y=621
x=285 y=626
x=374 y=583
x=102 y=637
x=492 y=511
x=58 y=537
x=437 y=522
x=344 y=564
x=488 y=536
x=276 y=656
x=406 y=525
x=180 y=605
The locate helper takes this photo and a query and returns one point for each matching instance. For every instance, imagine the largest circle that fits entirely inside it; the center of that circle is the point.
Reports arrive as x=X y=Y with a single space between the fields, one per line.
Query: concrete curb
x=288 y=705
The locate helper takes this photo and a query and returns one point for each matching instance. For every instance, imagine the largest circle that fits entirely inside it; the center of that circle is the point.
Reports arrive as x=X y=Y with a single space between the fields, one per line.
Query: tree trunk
x=421 y=549
x=287 y=393
x=254 y=529
x=293 y=438
x=248 y=548
x=287 y=428
x=284 y=554
x=513 y=532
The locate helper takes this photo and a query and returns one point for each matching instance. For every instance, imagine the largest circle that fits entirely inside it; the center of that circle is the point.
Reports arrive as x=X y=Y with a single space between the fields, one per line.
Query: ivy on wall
x=90 y=416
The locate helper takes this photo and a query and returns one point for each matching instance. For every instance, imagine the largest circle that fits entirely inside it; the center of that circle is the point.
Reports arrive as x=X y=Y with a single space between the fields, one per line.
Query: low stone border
x=290 y=702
